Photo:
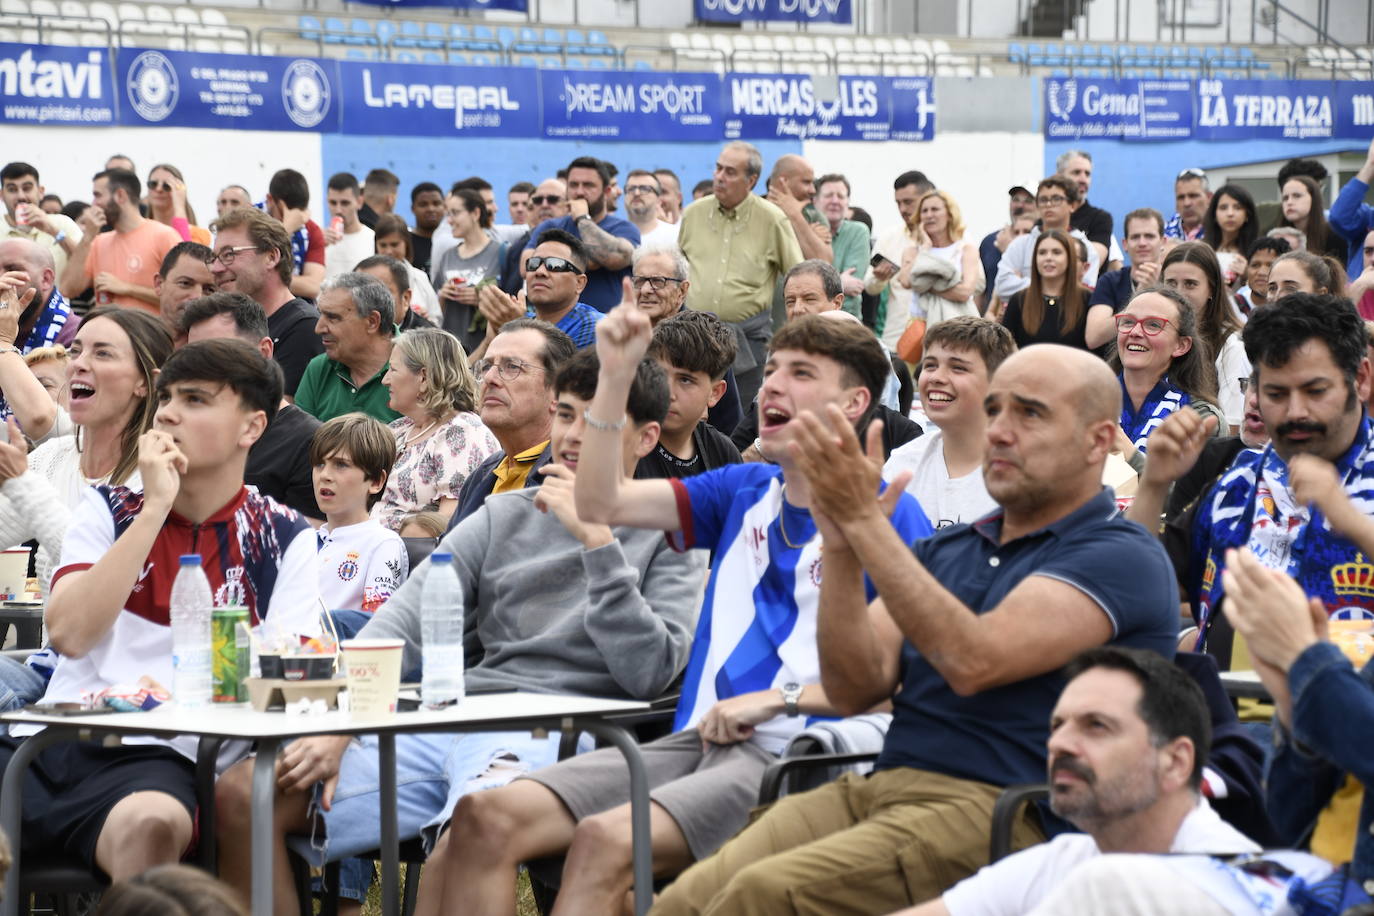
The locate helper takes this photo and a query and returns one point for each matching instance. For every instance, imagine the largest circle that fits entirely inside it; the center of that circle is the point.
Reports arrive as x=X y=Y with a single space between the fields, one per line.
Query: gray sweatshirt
x=550 y=616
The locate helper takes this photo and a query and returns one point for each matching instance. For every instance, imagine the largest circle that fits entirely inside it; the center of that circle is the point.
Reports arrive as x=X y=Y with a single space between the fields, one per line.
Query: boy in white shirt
x=362 y=562
x=947 y=465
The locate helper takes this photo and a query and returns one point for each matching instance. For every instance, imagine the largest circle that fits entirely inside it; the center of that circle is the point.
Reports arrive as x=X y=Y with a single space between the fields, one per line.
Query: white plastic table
x=484 y=713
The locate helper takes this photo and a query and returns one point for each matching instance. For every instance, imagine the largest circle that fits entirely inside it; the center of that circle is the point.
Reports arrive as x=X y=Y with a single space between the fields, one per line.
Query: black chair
x=69 y=888
x=417 y=549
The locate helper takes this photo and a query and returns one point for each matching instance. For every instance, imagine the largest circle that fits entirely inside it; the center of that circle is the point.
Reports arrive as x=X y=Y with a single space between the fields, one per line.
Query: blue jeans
x=20 y=685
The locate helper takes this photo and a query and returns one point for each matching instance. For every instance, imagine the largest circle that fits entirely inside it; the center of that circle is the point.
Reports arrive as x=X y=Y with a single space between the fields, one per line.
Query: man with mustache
x=1128 y=741
x=1312 y=373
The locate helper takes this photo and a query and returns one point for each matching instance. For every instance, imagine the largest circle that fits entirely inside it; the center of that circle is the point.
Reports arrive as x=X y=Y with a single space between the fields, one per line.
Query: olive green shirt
x=736 y=256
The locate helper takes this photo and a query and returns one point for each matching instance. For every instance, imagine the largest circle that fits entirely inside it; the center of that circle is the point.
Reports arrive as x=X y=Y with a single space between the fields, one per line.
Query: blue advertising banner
x=841 y=11
x=615 y=105
x=519 y=6
x=1266 y=110
x=1118 y=109
x=423 y=100
x=182 y=89
x=1355 y=110
x=913 y=108
x=758 y=107
x=41 y=84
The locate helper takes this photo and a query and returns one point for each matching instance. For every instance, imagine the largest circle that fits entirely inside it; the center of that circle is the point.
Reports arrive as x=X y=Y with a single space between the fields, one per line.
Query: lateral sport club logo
x=152 y=86
x=1062 y=97
x=305 y=93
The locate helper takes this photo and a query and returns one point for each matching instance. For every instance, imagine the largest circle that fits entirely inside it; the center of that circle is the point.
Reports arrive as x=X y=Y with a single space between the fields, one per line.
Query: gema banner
x=841 y=11
x=1210 y=109
x=185 y=89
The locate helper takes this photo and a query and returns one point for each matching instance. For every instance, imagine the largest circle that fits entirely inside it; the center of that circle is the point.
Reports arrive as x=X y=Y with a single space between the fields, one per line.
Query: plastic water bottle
x=190 y=617
x=441 y=632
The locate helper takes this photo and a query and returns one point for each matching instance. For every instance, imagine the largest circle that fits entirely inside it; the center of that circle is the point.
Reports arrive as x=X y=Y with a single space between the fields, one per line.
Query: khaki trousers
x=858 y=845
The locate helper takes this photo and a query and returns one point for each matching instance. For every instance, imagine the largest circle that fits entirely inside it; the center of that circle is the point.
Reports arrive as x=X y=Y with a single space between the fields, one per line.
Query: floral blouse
x=433 y=469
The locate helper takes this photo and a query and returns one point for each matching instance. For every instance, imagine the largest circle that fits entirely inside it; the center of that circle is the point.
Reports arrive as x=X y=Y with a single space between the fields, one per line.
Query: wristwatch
x=791 y=696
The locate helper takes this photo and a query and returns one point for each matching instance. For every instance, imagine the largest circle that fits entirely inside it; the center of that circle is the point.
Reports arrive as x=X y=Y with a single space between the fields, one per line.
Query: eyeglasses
x=227 y=256
x=509 y=368
x=641 y=189
x=541 y=199
x=551 y=264
x=159 y=185
x=1191 y=173
x=1151 y=327
x=1054 y=201
x=657 y=283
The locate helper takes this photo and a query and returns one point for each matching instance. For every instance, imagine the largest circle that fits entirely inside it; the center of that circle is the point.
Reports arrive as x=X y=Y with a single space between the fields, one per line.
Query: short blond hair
x=956 y=216
x=43 y=354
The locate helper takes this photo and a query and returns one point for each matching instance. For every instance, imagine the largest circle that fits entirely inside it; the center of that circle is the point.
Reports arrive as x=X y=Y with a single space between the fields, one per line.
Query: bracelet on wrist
x=600 y=425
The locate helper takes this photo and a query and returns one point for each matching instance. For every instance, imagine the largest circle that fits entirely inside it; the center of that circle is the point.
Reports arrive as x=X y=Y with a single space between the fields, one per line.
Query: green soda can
x=230 y=653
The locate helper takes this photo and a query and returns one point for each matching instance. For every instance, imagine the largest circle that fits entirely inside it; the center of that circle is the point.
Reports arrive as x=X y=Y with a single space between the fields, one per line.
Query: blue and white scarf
x=1252 y=505
x=1162 y=400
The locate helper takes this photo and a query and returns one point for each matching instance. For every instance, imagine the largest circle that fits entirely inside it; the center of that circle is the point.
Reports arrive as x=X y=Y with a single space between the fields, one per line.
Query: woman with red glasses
x=1164 y=366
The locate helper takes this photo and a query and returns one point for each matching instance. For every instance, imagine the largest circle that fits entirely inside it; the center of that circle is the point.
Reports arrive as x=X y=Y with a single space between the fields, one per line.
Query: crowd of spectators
x=642 y=426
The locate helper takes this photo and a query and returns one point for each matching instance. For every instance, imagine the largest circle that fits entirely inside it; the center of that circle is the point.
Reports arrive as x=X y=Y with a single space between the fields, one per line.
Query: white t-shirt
x=664 y=235
x=945 y=501
x=1018 y=883
x=344 y=255
x=1232 y=366
x=361 y=565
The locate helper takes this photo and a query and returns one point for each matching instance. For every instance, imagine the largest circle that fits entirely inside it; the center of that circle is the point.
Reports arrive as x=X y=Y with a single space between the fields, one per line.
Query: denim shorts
x=432 y=773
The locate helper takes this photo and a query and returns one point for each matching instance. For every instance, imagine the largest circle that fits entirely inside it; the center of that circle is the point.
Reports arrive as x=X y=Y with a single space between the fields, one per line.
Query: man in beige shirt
x=907 y=191
x=738 y=246
x=25 y=219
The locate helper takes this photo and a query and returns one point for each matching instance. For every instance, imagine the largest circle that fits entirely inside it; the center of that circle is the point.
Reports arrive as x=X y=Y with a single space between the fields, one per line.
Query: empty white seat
x=783 y=42
x=824 y=45
x=102 y=10
x=14 y=7
x=902 y=45
x=73 y=9
x=939 y=46
x=700 y=41
x=205 y=45
x=742 y=42
x=883 y=46
x=804 y=42
x=920 y=46
x=157 y=13
x=213 y=17
x=93 y=40
x=43 y=8
x=58 y=37
x=678 y=41
x=722 y=43
x=186 y=15
x=130 y=11
x=863 y=43
x=842 y=43
x=28 y=36
x=234 y=46
x=7 y=34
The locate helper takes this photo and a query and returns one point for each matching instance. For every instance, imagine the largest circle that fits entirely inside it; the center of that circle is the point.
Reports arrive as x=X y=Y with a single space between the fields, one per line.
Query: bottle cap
x=190 y=559
x=441 y=556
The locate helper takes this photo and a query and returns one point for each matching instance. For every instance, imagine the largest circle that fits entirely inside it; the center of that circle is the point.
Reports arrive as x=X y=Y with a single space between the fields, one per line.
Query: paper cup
x=373 y=670
x=14 y=571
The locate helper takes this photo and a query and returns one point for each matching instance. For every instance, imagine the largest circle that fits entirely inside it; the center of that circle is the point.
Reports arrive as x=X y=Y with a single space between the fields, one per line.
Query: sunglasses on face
x=640 y=189
x=159 y=185
x=552 y=264
x=541 y=199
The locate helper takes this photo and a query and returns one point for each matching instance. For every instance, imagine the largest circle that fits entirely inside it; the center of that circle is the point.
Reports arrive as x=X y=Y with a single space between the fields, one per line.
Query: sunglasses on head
x=553 y=265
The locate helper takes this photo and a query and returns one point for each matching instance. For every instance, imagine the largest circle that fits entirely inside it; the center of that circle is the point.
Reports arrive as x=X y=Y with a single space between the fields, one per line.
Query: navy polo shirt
x=998 y=736
x=1113 y=288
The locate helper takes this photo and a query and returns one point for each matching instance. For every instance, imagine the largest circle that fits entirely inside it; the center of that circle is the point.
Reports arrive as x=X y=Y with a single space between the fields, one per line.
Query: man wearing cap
x=1020 y=202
